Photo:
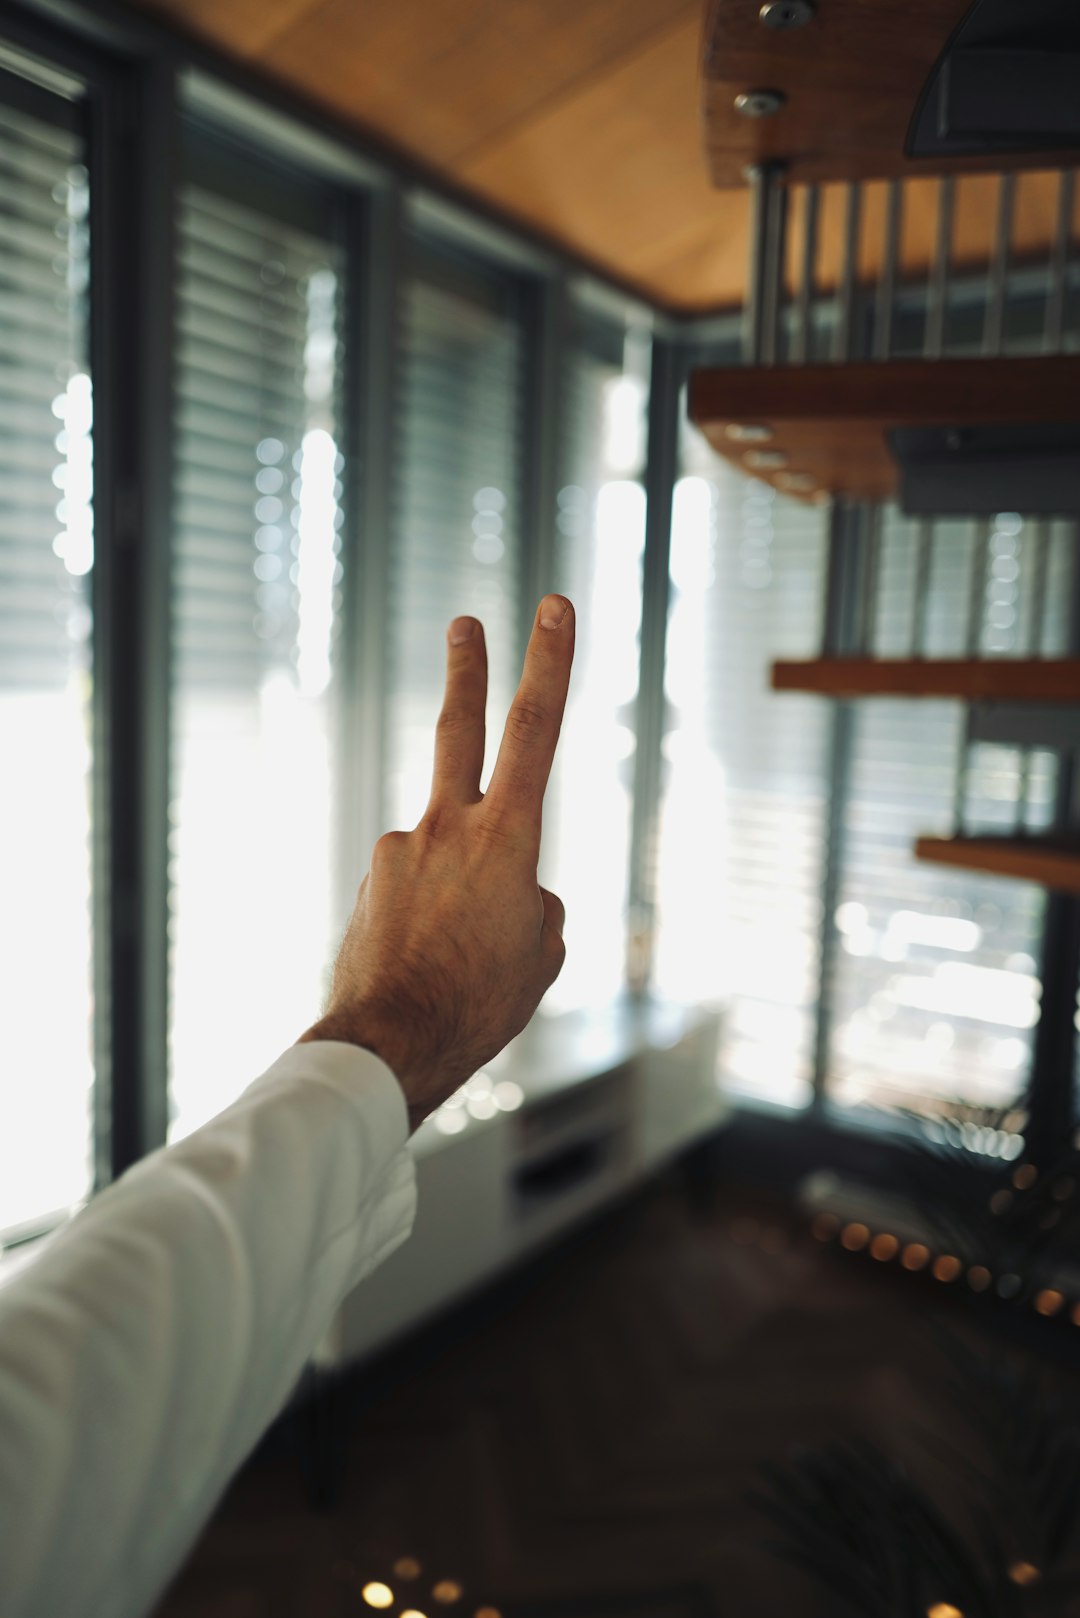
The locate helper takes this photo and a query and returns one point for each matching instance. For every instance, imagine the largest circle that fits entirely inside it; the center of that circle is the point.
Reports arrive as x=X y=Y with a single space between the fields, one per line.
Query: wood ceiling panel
x=619 y=165
x=450 y=77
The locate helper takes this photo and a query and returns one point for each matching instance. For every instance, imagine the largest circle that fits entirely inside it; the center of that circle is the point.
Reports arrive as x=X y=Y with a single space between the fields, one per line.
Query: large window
x=257 y=519
x=456 y=540
x=46 y=558
x=935 y=995
x=599 y=552
x=743 y=812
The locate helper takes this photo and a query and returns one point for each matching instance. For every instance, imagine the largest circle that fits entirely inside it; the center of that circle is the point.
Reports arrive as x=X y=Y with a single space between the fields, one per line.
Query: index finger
x=515 y=794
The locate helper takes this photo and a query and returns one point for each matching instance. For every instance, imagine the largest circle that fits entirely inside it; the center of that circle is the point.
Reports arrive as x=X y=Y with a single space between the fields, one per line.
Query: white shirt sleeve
x=144 y=1351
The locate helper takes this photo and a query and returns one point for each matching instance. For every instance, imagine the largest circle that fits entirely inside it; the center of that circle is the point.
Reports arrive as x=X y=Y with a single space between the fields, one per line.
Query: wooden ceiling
x=581 y=118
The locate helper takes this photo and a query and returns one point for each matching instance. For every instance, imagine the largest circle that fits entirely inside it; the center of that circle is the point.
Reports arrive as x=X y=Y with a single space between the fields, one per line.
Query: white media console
x=578 y=1109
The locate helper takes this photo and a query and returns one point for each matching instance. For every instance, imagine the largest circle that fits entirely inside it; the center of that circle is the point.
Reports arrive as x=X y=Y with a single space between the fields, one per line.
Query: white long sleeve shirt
x=144 y=1351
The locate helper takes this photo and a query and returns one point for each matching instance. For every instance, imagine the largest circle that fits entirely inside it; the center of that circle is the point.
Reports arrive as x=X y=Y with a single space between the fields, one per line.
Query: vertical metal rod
x=842 y=341
x=775 y=259
x=134 y=174
x=660 y=473
x=870 y=568
x=937 y=294
x=1040 y=571
x=886 y=296
x=1058 y=266
x=924 y=559
x=977 y=599
x=802 y=337
x=997 y=287
x=761 y=182
x=840 y=636
x=376 y=250
x=1034 y=641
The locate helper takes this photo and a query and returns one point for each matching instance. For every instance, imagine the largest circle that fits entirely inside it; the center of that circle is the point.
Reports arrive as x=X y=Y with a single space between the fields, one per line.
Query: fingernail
x=461 y=630
x=553 y=609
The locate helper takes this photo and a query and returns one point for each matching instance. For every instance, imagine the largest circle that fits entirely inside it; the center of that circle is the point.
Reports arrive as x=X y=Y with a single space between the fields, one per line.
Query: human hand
x=452 y=944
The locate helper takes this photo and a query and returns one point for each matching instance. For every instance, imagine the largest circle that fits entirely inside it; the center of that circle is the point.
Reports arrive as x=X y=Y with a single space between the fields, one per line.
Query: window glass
x=599 y=555
x=46 y=558
x=258 y=511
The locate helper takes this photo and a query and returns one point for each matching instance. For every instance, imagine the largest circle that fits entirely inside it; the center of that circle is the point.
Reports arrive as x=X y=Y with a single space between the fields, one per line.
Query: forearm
x=147 y=1348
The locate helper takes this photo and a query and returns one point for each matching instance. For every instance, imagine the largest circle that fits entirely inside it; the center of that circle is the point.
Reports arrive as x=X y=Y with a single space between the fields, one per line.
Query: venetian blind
x=257 y=590
x=458 y=490
x=46 y=558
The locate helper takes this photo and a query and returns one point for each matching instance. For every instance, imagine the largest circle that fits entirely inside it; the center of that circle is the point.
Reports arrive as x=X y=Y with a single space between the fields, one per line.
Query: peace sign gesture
x=452 y=943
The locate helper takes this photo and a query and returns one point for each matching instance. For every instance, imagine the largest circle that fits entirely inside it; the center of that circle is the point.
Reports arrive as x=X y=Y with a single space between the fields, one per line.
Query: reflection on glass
x=46 y=558
x=253 y=923
x=599 y=562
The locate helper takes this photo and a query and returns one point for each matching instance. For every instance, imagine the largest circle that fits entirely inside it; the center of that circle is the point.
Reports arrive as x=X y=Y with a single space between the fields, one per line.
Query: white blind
x=743 y=808
x=46 y=556
x=456 y=527
x=599 y=552
x=257 y=587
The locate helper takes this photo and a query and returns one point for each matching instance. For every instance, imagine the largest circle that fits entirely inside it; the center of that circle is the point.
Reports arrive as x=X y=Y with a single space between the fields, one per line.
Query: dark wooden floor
x=583 y=1446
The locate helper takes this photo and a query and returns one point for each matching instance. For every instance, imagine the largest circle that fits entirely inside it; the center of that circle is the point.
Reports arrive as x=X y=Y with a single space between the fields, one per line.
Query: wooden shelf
x=830 y=422
x=1053 y=862
x=852 y=80
x=970 y=679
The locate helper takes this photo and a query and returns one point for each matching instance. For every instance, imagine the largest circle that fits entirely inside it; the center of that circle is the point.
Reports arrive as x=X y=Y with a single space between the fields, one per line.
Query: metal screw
x=787 y=13
x=759 y=103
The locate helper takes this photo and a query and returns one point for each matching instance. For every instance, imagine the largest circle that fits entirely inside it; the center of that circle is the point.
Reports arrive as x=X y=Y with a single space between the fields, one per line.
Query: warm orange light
x=854 y=1237
x=411 y=1612
x=943 y=1609
x=979 y=1278
x=487 y=1612
x=1024 y=1573
x=1025 y=1176
x=947 y=1268
x=378 y=1595
x=407 y=1567
x=915 y=1256
x=1076 y=1314
x=825 y=1227
x=884 y=1248
x=448 y=1590
x=1048 y=1302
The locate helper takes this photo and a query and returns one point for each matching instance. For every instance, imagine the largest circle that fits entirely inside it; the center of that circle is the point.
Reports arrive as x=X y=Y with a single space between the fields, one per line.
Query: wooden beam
x=1000 y=679
x=1055 y=863
x=825 y=427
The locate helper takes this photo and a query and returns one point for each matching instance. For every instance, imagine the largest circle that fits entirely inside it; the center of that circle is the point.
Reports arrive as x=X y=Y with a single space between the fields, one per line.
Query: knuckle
x=390 y=844
x=453 y=720
x=526 y=721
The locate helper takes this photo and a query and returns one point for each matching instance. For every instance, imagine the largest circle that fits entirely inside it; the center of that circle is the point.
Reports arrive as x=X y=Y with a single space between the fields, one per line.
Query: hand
x=452 y=944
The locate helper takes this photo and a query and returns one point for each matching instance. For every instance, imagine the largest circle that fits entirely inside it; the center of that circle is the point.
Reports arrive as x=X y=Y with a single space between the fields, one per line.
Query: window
x=935 y=995
x=599 y=555
x=46 y=558
x=743 y=808
x=257 y=516
x=456 y=539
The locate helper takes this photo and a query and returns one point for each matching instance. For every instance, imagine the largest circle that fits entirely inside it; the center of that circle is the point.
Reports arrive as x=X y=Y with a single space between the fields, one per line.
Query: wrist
x=362 y=1033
